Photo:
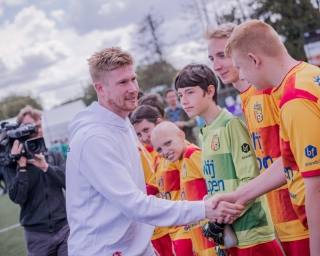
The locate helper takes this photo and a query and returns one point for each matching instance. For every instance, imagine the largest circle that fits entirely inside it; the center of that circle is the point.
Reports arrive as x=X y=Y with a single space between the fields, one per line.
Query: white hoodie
x=107 y=206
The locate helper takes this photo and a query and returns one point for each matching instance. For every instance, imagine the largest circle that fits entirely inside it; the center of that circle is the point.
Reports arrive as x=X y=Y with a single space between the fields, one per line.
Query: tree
x=90 y=95
x=294 y=18
x=147 y=40
x=157 y=73
x=11 y=105
x=289 y=18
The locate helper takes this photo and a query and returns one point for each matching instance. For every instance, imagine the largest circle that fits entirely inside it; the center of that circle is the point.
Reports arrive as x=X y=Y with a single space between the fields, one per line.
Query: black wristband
x=22 y=168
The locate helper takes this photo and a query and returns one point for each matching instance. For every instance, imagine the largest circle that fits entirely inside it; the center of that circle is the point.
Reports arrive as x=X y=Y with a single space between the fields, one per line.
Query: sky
x=45 y=43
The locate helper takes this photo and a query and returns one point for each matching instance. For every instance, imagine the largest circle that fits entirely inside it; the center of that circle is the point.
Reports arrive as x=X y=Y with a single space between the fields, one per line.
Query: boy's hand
x=217 y=209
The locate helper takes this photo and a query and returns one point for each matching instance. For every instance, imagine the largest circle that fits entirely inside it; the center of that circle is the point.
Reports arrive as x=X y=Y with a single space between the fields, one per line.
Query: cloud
x=13 y=2
x=58 y=15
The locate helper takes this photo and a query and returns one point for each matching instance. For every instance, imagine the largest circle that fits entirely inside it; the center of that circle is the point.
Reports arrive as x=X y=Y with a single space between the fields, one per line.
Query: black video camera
x=30 y=146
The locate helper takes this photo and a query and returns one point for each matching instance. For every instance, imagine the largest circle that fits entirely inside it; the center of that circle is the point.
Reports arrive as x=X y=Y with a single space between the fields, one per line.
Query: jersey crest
x=257 y=109
x=215 y=144
x=184 y=171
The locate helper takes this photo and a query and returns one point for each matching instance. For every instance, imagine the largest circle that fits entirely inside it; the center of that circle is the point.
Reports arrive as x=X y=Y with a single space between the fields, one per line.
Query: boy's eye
x=168 y=143
x=159 y=150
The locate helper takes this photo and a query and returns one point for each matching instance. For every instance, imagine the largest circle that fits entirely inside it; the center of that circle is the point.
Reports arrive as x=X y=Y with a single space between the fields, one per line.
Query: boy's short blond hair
x=254 y=36
x=106 y=60
x=28 y=110
x=223 y=31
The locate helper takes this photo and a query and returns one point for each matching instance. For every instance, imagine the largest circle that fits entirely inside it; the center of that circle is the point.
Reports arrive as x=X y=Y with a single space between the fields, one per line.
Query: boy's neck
x=210 y=113
x=241 y=85
x=185 y=145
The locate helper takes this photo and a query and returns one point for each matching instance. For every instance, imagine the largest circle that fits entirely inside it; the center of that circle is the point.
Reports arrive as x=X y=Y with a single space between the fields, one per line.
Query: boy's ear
x=255 y=60
x=211 y=91
x=182 y=135
x=159 y=120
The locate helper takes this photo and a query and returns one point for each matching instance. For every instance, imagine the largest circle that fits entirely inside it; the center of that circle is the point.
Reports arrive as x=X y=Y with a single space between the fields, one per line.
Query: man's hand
x=218 y=209
x=16 y=150
x=40 y=162
x=179 y=124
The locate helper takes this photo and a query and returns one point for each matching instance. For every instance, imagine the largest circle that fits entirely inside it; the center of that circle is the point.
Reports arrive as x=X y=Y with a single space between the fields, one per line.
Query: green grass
x=12 y=241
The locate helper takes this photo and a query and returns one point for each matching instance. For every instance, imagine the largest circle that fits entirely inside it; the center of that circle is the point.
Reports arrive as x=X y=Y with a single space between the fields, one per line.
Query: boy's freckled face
x=168 y=144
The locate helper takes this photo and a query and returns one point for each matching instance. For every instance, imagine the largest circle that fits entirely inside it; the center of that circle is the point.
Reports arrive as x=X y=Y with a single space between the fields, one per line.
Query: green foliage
x=289 y=18
x=11 y=105
x=157 y=73
x=90 y=95
x=296 y=17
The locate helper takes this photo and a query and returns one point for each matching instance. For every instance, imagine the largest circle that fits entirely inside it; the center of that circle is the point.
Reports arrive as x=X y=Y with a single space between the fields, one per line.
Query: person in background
x=177 y=115
x=37 y=186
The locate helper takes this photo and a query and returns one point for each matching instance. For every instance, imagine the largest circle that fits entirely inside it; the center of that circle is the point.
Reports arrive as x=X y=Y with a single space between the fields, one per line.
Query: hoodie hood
x=95 y=115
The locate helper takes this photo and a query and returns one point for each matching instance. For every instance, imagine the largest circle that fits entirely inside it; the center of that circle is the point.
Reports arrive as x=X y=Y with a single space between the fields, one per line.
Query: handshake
x=223 y=208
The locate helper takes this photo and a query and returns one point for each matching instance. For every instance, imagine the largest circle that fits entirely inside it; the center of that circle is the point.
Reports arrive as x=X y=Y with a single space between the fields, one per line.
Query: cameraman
x=37 y=186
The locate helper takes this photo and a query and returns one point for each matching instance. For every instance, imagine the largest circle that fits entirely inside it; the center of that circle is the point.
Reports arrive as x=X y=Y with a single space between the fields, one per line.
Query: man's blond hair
x=223 y=31
x=254 y=36
x=28 y=110
x=106 y=60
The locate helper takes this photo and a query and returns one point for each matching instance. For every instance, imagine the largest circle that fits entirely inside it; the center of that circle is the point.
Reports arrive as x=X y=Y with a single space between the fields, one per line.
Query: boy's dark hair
x=166 y=91
x=147 y=112
x=140 y=94
x=154 y=100
x=197 y=75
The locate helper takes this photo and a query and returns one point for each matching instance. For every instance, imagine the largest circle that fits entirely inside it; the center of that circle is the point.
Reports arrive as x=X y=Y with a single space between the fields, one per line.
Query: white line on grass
x=11 y=227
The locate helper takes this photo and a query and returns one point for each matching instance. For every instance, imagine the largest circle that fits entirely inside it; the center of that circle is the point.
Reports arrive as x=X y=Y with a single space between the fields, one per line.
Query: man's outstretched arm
x=269 y=180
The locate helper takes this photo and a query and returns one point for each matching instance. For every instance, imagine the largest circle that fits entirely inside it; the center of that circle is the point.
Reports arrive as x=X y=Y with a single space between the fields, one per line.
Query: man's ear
x=182 y=135
x=254 y=59
x=211 y=91
x=159 y=120
x=99 y=88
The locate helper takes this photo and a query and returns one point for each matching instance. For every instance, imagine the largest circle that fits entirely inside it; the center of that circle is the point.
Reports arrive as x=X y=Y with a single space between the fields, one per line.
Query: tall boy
x=262 y=122
x=169 y=141
x=257 y=52
x=227 y=158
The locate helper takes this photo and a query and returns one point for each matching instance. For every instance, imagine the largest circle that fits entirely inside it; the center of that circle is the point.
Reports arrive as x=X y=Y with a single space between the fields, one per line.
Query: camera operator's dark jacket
x=40 y=195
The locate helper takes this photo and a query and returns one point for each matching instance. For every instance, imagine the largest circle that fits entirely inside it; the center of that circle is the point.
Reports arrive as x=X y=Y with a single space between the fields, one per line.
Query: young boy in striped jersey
x=169 y=141
x=228 y=160
x=144 y=119
x=262 y=121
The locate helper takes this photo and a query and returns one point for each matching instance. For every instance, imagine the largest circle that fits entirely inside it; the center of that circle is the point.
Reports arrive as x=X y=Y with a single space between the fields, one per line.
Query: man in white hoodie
x=108 y=210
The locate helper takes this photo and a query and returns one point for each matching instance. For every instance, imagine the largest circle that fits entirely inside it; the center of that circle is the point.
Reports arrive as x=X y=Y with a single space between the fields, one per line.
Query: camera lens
x=34 y=146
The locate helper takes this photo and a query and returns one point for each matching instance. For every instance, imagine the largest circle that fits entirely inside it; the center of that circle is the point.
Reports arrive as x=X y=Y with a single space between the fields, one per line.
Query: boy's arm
x=313 y=209
x=269 y=180
x=243 y=156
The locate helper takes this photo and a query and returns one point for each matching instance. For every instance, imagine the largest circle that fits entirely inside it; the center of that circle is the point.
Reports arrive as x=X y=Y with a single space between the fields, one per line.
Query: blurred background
x=45 y=43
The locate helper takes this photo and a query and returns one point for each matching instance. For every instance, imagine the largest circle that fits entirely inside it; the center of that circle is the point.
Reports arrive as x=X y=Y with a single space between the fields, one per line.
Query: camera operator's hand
x=40 y=162
x=16 y=150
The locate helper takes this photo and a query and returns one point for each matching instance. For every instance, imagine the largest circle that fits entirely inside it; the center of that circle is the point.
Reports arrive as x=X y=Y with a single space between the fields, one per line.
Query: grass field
x=11 y=241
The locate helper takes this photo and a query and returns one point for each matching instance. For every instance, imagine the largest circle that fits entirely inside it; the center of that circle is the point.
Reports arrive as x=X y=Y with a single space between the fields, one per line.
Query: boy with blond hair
x=262 y=122
x=262 y=60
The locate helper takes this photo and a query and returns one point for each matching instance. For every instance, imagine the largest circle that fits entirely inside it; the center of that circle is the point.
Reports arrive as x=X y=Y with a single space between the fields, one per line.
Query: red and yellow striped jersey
x=151 y=184
x=193 y=187
x=263 y=124
x=299 y=113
